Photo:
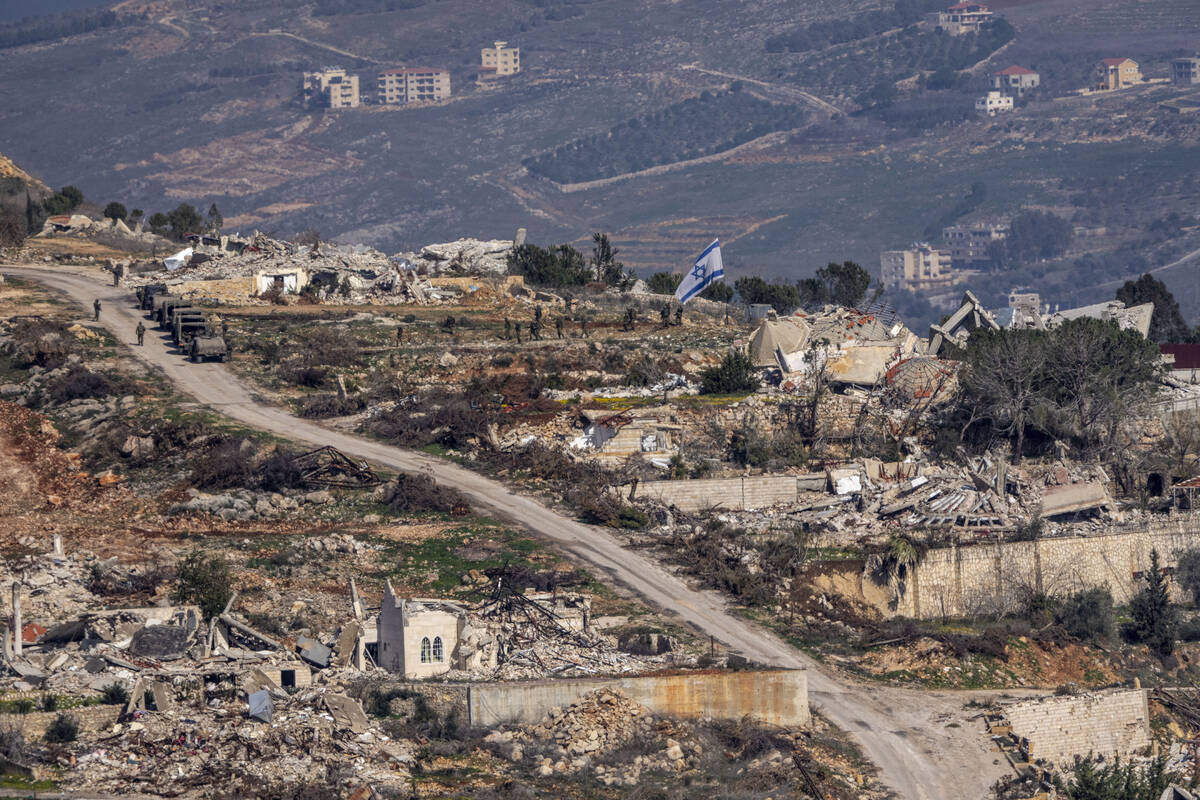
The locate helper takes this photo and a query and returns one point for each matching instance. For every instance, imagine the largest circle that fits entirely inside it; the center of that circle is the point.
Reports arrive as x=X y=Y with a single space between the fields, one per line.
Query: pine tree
x=1155 y=620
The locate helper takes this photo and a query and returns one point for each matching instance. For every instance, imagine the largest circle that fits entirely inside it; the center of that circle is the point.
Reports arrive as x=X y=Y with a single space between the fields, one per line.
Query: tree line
x=699 y=126
x=563 y=266
x=43 y=29
x=838 y=31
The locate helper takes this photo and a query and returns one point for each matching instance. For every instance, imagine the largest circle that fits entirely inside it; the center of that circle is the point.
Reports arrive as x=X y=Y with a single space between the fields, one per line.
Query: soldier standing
x=679 y=315
x=96 y=309
x=664 y=315
x=399 y=334
x=533 y=330
x=583 y=327
x=507 y=328
x=537 y=314
x=118 y=273
x=558 y=326
x=141 y=332
x=518 y=330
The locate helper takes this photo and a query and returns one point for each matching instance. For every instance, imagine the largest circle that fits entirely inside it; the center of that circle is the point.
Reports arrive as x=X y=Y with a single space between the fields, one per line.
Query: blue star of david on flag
x=708 y=268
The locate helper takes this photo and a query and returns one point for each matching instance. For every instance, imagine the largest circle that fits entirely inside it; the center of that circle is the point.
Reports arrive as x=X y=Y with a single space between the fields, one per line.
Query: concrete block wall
x=1112 y=723
x=779 y=697
x=996 y=578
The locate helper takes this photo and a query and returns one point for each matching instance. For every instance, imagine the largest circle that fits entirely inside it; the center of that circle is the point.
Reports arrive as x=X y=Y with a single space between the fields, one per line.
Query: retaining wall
x=998 y=578
x=1059 y=728
x=91 y=719
x=731 y=494
x=779 y=697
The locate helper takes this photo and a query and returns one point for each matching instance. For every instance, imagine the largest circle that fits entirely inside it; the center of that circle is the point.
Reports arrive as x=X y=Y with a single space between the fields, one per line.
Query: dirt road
x=905 y=733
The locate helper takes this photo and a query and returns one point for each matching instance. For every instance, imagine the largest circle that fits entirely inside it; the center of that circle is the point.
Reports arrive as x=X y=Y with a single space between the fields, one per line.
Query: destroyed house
x=417 y=638
x=614 y=436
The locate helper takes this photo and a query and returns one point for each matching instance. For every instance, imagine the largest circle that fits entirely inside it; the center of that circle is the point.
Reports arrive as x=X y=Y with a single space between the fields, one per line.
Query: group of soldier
x=536 y=326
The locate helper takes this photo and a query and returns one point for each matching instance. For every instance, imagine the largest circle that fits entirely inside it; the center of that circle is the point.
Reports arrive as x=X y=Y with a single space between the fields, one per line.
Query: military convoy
x=192 y=328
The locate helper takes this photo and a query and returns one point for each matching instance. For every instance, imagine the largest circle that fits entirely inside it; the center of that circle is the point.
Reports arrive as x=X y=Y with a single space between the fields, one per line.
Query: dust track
x=903 y=732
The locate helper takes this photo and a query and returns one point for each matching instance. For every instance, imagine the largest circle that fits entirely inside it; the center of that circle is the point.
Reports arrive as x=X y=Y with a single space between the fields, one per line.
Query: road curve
x=903 y=732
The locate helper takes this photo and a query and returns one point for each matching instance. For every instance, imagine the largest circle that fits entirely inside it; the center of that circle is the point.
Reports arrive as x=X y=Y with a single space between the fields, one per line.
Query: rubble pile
x=328 y=272
x=582 y=735
x=313 y=737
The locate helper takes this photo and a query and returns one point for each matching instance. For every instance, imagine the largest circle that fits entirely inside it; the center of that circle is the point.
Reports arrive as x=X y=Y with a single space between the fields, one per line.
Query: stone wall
x=1057 y=729
x=779 y=697
x=997 y=578
x=91 y=719
x=731 y=494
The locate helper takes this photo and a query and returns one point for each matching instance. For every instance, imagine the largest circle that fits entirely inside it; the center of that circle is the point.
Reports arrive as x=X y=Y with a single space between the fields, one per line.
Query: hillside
x=200 y=103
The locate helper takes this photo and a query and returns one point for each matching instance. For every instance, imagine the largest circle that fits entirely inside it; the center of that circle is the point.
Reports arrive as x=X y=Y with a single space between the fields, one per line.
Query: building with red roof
x=1015 y=81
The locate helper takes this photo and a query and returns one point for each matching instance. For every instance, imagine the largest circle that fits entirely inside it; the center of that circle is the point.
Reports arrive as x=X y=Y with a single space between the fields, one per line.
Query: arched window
x=438 y=656
x=426 y=655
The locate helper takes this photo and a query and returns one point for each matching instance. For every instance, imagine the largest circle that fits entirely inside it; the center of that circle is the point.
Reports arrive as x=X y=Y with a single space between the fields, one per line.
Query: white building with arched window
x=417 y=638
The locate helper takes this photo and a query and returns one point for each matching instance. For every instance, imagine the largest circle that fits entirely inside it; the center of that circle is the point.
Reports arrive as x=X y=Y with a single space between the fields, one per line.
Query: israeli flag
x=708 y=268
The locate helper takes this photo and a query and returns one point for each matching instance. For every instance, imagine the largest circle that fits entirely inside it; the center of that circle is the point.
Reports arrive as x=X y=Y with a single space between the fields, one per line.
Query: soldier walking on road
x=118 y=273
x=96 y=309
x=141 y=332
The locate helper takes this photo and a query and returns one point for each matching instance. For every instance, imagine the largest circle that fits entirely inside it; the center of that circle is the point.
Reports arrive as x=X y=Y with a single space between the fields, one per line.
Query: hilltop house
x=332 y=87
x=963 y=18
x=1185 y=71
x=499 y=61
x=970 y=245
x=920 y=268
x=1117 y=73
x=1015 y=81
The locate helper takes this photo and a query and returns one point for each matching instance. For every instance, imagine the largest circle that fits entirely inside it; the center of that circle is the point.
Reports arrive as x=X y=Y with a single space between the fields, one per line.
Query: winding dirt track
x=903 y=732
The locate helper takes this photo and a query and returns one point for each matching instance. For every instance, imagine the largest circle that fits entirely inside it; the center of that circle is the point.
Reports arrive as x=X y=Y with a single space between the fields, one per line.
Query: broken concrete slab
x=347 y=713
x=261 y=707
x=1074 y=498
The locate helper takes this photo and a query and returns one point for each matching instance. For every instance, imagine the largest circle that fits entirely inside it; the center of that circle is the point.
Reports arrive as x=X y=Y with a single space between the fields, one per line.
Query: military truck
x=166 y=307
x=186 y=323
x=147 y=293
x=157 y=302
x=205 y=346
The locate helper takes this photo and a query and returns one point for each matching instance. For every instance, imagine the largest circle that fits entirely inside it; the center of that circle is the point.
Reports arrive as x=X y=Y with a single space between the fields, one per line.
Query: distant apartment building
x=970 y=245
x=1117 y=73
x=499 y=60
x=1015 y=81
x=1185 y=71
x=920 y=268
x=332 y=88
x=994 y=103
x=963 y=18
x=413 y=85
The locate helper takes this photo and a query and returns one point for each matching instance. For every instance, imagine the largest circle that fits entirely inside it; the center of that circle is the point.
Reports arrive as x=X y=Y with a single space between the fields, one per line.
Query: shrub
x=229 y=464
x=205 y=581
x=734 y=375
x=114 y=694
x=49 y=702
x=1189 y=630
x=279 y=471
x=411 y=493
x=1088 y=615
x=62 y=730
x=79 y=383
x=323 y=406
